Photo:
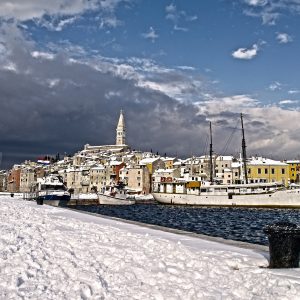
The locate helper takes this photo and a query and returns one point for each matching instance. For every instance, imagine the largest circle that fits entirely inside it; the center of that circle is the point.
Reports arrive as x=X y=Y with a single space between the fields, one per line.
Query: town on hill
x=96 y=167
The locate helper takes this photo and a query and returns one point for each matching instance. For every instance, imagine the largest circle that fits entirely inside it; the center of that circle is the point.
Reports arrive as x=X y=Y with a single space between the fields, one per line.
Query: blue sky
x=214 y=58
x=198 y=34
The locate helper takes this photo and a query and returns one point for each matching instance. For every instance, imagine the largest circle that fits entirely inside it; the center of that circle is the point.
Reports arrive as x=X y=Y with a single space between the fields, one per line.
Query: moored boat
x=114 y=196
x=249 y=195
x=52 y=191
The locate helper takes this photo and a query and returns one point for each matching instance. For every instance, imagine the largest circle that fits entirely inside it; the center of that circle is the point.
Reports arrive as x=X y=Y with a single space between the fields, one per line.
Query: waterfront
x=241 y=224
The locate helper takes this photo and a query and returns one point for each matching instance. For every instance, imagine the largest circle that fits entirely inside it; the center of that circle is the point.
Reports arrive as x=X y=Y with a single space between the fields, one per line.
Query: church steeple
x=121 y=130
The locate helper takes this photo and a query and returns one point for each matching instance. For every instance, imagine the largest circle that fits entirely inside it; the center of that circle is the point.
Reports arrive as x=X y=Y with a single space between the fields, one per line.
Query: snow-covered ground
x=55 y=253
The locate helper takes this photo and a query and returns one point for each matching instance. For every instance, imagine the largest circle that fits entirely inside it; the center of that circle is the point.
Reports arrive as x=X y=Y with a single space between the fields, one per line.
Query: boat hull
x=108 y=200
x=284 y=198
x=54 y=200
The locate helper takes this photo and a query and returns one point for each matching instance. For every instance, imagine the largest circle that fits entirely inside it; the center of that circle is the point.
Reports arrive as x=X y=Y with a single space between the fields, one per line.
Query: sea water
x=241 y=224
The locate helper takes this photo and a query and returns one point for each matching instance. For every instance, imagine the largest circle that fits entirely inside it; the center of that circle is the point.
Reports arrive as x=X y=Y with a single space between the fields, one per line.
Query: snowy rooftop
x=168 y=158
x=293 y=161
x=99 y=167
x=115 y=163
x=265 y=161
x=148 y=160
x=55 y=253
x=221 y=157
x=235 y=165
x=164 y=170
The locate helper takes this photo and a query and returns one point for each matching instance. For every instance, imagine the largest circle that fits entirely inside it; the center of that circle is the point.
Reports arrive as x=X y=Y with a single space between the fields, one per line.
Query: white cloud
x=291 y=92
x=275 y=86
x=30 y=9
x=244 y=53
x=56 y=24
x=43 y=55
x=52 y=82
x=270 y=10
x=257 y=2
x=177 y=16
x=176 y=27
x=172 y=13
x=269 y=130
x=187 y=68
x=151 y=34
x=284 y=38
x=286 y=102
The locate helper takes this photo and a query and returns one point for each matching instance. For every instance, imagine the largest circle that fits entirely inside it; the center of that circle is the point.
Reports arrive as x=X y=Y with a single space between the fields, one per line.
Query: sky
x=67 y=68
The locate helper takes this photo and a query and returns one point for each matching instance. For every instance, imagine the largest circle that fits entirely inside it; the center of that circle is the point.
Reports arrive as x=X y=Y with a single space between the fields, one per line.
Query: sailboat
x=242 y=194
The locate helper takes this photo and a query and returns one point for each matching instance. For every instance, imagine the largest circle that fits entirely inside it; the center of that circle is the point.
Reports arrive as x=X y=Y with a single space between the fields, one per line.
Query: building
x=294 y=170
x=28 y=179
x=121 y=131
x=3 y=181
x=139 y=179
x=261 y=169
x=13 y=179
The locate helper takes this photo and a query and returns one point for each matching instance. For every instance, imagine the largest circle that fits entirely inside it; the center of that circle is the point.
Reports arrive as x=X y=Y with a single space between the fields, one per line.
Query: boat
x=52 y=191
x=245 y=194
x=113 y=195
x=249 y=195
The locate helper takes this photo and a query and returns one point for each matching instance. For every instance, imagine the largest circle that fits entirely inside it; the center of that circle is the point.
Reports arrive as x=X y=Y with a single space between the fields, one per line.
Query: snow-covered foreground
x=54 y=253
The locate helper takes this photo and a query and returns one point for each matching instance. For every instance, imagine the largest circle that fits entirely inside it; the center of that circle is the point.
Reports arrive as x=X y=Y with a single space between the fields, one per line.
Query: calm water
x=242 y=224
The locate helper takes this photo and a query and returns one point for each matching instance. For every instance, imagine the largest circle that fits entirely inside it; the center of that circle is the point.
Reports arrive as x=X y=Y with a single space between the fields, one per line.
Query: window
x=259 y=170
x=273 y=171
x=282 y=171
x=266 y=171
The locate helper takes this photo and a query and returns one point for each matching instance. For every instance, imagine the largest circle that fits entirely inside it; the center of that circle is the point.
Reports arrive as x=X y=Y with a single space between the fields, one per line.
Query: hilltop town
x=96 y=167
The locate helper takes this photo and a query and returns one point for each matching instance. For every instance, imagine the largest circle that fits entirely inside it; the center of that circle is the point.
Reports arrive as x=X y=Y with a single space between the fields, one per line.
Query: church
x=120 y=145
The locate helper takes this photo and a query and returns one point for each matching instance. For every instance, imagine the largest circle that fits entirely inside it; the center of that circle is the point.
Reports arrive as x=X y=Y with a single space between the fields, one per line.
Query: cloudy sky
x=67 y=67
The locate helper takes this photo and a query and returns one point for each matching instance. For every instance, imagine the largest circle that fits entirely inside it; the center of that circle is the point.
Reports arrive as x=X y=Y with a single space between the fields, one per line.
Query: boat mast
x=244 y=155
x=210 y=155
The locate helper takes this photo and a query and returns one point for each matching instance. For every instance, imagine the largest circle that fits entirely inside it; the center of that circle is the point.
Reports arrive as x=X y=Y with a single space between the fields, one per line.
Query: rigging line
x=205 y=148
x=225 y=148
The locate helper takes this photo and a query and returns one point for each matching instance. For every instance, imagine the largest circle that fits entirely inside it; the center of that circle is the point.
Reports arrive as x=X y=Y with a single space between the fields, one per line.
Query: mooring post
x=284 y=244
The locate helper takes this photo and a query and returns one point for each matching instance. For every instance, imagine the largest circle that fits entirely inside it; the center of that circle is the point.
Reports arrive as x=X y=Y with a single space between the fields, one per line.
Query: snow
x=55 y=253
x=265 y=161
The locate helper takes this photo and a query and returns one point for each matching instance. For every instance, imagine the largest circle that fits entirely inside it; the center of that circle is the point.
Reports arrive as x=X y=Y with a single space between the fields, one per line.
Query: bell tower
x=121 y=130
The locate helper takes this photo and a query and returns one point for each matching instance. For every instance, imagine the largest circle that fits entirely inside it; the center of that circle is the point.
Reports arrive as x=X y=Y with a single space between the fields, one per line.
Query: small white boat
x=115 y=196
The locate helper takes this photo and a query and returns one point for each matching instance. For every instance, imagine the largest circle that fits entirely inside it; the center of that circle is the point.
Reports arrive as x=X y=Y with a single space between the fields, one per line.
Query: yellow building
x=267 y=170
x=294 y=170
x=152 y=164
x=169 y=162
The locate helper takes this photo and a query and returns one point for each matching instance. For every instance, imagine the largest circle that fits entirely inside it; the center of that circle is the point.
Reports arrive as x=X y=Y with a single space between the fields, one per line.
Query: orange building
x=13 y=179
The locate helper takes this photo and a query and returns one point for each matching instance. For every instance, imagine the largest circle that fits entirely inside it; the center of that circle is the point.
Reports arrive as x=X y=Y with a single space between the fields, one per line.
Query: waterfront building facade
x=294 y=170
x=267 y=170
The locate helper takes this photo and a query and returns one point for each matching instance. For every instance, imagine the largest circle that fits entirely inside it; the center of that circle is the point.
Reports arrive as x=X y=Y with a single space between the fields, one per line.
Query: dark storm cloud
x=51 y=105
